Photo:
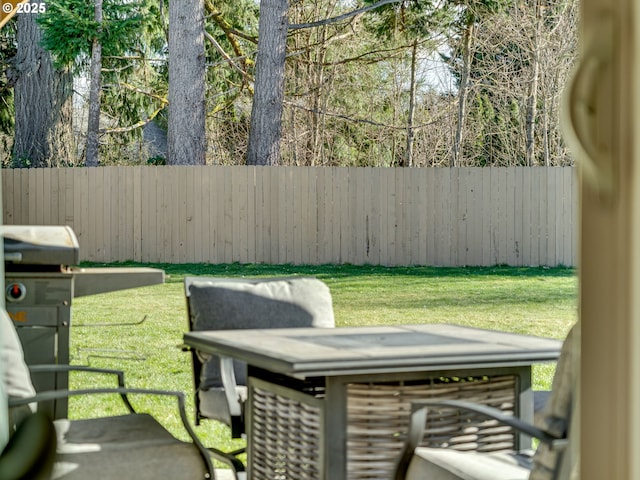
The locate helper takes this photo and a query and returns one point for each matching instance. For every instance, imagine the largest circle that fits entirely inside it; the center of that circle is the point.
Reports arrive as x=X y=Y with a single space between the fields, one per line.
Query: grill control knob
x=16 y=292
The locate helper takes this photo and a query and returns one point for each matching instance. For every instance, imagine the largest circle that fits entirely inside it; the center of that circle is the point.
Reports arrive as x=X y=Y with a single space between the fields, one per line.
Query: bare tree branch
x=339 y=18
x=135 y=126
x=362 y=120
x=133 y=88
x=224 y=54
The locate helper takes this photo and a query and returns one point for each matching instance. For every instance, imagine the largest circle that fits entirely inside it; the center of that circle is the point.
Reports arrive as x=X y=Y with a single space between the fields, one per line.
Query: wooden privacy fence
x=305 y=215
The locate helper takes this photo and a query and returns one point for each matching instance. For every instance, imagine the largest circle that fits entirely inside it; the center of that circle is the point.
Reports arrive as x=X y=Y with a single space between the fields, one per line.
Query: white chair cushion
x=213 y=402
x=447 y=464
x=17 y=380
x=127 y=446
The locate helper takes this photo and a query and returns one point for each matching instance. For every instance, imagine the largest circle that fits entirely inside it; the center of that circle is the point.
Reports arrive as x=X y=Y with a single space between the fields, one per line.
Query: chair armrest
x=486 y=411
x=228 y=378
x=229 y=384
x=45 y=368
x=418 y=422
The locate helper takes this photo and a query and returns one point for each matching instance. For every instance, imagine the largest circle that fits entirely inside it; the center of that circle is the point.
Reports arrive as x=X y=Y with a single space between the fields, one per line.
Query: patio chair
x=243 y=303
x=552 y=460
x=133 y=445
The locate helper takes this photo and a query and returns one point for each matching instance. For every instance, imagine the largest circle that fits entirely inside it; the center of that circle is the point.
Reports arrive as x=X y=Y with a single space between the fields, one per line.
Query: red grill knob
x=15 y=292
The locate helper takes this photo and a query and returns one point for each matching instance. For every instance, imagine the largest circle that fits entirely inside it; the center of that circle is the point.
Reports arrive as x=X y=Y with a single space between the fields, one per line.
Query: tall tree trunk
x=95 y=85
x=532 y=100
x=266 y=112
x=186 y=126
x=462 y=93
x=43 y=103
x=408 y=155
x=317 y=116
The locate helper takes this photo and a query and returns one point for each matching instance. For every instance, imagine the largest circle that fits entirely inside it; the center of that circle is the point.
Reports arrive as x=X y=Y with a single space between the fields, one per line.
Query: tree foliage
x=351 y=94
x=131 y=35
x=7 y=52
x=69 y=28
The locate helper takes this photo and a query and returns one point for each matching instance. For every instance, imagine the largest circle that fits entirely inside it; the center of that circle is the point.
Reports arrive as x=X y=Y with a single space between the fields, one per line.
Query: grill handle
x=12 y=256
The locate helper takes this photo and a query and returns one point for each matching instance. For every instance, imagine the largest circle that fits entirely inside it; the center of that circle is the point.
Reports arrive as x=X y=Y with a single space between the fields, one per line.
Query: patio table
x=333 y=404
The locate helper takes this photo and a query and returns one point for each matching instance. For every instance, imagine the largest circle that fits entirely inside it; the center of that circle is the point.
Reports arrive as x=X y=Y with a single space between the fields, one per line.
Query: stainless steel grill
x=41 y=282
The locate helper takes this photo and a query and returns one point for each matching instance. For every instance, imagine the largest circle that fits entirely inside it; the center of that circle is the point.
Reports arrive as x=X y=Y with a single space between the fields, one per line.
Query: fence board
x=251 y=214
x=248 y=223
x=207 y=233
x=81 y=206
x=135 y=214
x=274 y=214
x=170 y=187
x=237 y=202
x=33 y=198
x=7 y=201
x=162 y=213
x=224 y=215
x=417 y=178
x=96 y=230
x=551 y=215
x=58 y=197
x=106 y=201
x=504 y=219
x=185 y=214
x=12 y=194
x=263 y=214
x=430 y=217
x=125 y=228
x=50 y=185
x=104 y=239
x=564 y=217
x=343 y=212
x=542 y=216
x=570 y=218
x=518 y=239
x=148 y=211
x=117 y=216
x=387 y=210
x=473 y=240
x=298 y=205
x=189 y=194
x=442 y=207
x=114 y=206
x=286 y=220
x=534 y=217
x=461 y=219
x=399 y=216
x=557 y=213
x=335 y=222
x=525 y=212
x=217 y=215
x=19 y=196
x=373 y=232
x=311 y=215
x=68 y=196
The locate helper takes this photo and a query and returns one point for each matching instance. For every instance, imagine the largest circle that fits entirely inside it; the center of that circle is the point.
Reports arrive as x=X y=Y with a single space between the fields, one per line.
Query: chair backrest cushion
x=16 y=377
x=225 y=304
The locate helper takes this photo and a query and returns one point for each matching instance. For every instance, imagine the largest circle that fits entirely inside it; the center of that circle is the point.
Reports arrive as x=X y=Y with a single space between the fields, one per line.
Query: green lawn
x=536 y=301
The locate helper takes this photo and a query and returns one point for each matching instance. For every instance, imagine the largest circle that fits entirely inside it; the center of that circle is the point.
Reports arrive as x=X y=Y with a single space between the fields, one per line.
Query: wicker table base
x=287 y=425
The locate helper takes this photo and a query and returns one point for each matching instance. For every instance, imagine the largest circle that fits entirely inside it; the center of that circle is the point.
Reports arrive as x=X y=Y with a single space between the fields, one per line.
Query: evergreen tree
x=72 y=31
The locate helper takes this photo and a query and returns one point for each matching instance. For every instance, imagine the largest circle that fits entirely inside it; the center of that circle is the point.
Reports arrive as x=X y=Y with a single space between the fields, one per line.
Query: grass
x=535 y=301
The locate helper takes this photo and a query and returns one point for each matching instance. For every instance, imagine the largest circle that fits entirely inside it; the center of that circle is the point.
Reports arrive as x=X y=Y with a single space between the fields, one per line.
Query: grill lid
x=40 y=245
